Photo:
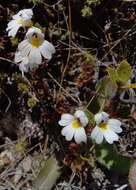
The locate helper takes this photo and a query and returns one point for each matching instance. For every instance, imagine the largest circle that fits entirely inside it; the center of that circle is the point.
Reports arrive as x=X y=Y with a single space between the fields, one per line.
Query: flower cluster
x=31 y=50
x=29 y=56
x=74 y=126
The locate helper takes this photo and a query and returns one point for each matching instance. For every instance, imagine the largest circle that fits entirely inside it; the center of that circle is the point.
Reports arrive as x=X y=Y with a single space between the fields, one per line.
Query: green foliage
x=48 y=174
x=22 y=87
x=31 y=102
x=35 y=1
x=89 y=57
x=109 y=157
x=94 y=107
x=113 y=75
x=106 y=90
x=124 y=71
x=21 y=145
x=17 y=77
x=121 y=74
x=90 y=116
x=14 y=41
x=89 y=2
x=87 y=10
x=65 y=36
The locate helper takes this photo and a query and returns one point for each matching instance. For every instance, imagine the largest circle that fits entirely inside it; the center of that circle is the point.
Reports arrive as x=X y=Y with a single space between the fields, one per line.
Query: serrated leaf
x=48 y=174
x=124 y=71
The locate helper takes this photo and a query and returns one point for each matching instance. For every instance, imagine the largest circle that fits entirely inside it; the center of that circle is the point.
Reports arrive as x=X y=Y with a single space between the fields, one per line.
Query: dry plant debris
x=67 y=95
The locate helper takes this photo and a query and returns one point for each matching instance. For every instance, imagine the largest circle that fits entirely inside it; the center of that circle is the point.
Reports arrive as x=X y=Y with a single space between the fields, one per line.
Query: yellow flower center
x=76 y=124
x=35 y=42
x=20 y=21
x=103 y=126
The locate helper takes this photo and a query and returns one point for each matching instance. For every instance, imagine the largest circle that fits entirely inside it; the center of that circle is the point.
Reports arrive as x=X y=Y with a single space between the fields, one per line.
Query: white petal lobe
x=102 y=116
x=68 y=132
x=110 y=136
x=66 y=119
x=80 y=135
x=82 y=117
x=114 y=125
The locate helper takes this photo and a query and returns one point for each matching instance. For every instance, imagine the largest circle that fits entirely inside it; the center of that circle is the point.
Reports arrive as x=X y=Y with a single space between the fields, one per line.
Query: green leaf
x=124 y=72
x=107 y=91
x=113 y=75
x=86 y=11
x=14 y=41
x=35 y=1
x=48 y=175
x=90 y=59
x=106 y=87
x=90 y=116
x=31 y=102
x=108 y=156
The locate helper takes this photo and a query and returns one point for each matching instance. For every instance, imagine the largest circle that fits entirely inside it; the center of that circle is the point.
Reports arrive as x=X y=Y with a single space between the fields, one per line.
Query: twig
x=63 y=88
x=92 y=98
x=53 y=5
x=8 y=60
x=69 y=27
x=9 y=101
x=122 y=187
x=117 y=42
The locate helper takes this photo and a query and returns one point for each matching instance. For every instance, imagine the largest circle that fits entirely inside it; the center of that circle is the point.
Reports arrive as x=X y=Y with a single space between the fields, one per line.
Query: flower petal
x=47 y=49
x=114 y=124
x=23 y=44
x=35 y=56
x=110 y=136
x=49 y=46
x=101 y=116
x=97 y=135
x=24 y=48
x=24 y=14
x=23 y=67
x=11 y=24
x=80 y=135
x=18 y=57
x=82 y=117
x=14 y=30
x=66 y=119
x=68 y=132
x=33 y=30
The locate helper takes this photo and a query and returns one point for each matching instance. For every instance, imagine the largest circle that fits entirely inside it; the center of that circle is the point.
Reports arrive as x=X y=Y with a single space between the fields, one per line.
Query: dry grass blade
x=132 y=176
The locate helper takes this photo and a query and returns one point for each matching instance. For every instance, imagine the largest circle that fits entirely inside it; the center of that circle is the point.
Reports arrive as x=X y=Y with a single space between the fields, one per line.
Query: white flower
x=21 y=19
x=74 y=126
x=24 y=64
x=34 y=46
x=25 y=14
x=105 y=128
